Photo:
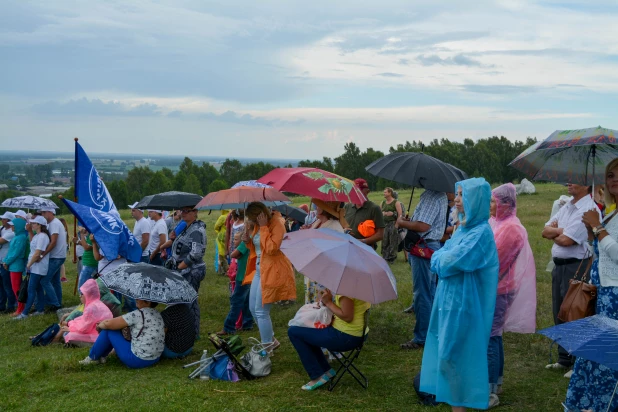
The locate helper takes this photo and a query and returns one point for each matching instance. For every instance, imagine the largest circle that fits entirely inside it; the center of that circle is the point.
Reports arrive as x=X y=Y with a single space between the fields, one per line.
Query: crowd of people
x=472 y=267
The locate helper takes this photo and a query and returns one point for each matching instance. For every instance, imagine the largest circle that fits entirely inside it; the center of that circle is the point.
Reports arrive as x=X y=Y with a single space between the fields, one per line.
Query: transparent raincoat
x=516 y=300
x=83 y=328
x=455 y=356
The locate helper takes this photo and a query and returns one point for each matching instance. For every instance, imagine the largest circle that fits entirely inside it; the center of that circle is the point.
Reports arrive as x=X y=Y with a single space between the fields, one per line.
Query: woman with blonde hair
x=268 y=270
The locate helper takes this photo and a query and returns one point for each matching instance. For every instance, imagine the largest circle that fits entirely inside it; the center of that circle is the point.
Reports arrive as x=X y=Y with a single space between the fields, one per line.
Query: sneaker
x=568 y=374
x=38 y=313
x=493 y=401
x=20 y=316
x=556 y=366
x=89 y=361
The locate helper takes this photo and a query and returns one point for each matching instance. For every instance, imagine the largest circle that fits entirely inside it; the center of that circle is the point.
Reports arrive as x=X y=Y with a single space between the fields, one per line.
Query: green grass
x=49 y=378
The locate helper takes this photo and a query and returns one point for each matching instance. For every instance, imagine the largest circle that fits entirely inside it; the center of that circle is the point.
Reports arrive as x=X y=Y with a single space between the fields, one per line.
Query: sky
x=296 y=80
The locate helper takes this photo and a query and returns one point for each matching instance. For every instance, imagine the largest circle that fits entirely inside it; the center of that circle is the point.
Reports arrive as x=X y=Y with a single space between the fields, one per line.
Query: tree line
x=485 y=157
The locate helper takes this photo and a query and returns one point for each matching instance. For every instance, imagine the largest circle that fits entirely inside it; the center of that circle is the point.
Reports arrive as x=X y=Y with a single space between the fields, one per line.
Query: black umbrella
x=151 y=283
x=292 y=212
x=169 y=201
x=417 y=170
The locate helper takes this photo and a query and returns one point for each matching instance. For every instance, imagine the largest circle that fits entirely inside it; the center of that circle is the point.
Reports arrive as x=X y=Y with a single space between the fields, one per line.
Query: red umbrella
x=316 y=183
x=240 y=197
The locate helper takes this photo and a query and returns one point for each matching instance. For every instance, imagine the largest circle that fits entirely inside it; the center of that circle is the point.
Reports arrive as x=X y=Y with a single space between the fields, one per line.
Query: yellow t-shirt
x=354 y=328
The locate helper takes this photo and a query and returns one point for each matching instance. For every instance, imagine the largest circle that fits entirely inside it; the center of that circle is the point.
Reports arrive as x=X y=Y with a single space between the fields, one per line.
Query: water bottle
x=205 y=373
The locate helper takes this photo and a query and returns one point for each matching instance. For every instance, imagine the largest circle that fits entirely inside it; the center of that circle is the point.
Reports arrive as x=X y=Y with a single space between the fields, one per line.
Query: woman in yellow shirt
x=345 y=333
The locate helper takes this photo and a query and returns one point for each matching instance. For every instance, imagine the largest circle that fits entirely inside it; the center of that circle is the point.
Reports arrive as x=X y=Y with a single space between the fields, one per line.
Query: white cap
x=155 y=210
x=48 y=209
x=40 y=220
x=10 y=223
x=133 y=205
x=8 y=216
x=21 y=214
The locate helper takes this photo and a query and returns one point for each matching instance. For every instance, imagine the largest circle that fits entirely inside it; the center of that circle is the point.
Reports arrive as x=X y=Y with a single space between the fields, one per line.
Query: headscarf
x=83 y=328
x=334 y=208
x=516 y=301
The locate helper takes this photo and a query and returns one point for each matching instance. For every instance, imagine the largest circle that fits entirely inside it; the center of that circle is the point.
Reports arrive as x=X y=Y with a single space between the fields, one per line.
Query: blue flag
x=110 y=232
x=89 y=188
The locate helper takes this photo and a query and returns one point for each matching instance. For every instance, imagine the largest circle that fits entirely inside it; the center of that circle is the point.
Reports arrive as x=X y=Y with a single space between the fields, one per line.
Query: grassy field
x=49 y=378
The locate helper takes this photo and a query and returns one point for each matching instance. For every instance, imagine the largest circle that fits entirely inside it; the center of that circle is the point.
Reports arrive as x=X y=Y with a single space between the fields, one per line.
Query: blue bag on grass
x=45 y=338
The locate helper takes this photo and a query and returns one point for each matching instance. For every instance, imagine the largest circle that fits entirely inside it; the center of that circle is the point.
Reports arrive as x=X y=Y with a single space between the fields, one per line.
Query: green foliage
x=217 y=185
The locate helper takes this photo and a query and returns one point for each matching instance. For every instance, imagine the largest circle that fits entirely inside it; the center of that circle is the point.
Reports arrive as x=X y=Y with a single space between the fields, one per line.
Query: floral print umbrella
x=315 y=183
x=28 y=202
x=570 y=156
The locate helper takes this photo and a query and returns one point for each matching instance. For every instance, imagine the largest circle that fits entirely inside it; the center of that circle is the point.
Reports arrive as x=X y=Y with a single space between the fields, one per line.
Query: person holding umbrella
x=268 y=270
x=592 y=384
x=429 y=221
x=188 y=255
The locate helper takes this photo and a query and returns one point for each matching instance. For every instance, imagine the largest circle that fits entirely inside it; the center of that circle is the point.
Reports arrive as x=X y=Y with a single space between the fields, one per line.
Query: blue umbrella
x=594 y=338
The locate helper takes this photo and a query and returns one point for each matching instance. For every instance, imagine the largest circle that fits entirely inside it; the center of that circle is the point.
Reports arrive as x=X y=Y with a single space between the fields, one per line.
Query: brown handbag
x=581 y=298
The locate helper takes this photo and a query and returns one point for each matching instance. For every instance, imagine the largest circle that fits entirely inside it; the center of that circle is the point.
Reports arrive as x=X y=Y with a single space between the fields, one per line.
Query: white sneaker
x=88 y=361
x=568 y=374
x=38 y=314
x=556 y=366
x=493 y=400
x=21 y=316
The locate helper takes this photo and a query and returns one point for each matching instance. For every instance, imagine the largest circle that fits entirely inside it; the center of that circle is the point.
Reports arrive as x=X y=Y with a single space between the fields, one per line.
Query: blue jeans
x=157 y=261
x=239 y=302
x=261 y=313
x=53 y=272
x=7 y=296
x=309 y=342
x=495 y=362
x=424 y=284
x=38 y=287
x=86 y=273
x=113 y=339
x=168 y=354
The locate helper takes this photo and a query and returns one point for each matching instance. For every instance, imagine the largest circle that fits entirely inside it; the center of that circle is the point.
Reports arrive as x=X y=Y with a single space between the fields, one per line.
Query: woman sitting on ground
x=82 y=329
x=147 y=338
x=345 y=333
x=179 y=324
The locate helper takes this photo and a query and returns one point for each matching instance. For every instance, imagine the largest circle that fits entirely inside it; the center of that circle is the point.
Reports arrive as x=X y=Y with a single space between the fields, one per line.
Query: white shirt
x=608 y=254
x=105 y=266
x=8 y=235
x=141 y=226
x=59 y=251
x=39 y=243
x=569 y=218
x=159 y=228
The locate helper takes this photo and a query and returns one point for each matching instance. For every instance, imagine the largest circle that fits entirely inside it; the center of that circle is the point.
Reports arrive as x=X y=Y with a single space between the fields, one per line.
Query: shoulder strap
x=143 y=323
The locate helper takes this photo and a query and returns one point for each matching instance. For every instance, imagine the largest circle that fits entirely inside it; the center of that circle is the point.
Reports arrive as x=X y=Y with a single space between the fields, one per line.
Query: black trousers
x=560 y=277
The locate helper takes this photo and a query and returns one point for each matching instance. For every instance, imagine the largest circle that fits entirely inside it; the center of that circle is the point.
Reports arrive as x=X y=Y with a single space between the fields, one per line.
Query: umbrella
x=313 y=182
x=292 y=212
x=148 y=282
x=343 y=264
x=570 y=156
x=169 y=201
x=28 y=202
x=240 y=197
x=249 y=183
x=417 y=170
x=594 y=338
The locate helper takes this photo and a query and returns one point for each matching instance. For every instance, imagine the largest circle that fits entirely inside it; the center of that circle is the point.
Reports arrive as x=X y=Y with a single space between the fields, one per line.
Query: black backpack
x=45 y=338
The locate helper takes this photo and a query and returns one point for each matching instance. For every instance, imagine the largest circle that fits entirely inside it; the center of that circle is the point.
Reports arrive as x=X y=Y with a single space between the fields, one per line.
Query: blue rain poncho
x=455 y=356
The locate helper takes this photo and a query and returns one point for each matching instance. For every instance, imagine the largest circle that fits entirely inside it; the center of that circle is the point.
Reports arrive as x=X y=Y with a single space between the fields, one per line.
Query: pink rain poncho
x=83 y=328
x=516 y=298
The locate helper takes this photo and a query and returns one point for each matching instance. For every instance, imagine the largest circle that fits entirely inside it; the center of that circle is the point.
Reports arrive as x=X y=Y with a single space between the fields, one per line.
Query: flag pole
x=74 y=217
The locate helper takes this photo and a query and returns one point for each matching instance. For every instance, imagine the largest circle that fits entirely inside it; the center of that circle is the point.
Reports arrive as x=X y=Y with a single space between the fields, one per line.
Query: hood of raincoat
x=505 y=197
x=90 y=290
x=476 y=196
x=19 y=226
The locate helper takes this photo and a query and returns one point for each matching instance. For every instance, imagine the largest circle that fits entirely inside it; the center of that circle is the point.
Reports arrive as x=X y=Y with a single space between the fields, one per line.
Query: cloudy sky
x=282 y=79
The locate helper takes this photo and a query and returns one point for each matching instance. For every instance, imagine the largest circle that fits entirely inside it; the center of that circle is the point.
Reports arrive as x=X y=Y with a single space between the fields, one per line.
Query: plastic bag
x=312 y=316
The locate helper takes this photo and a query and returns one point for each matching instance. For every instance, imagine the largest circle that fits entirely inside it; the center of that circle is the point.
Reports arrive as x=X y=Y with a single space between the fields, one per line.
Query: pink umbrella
x=343 y=264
